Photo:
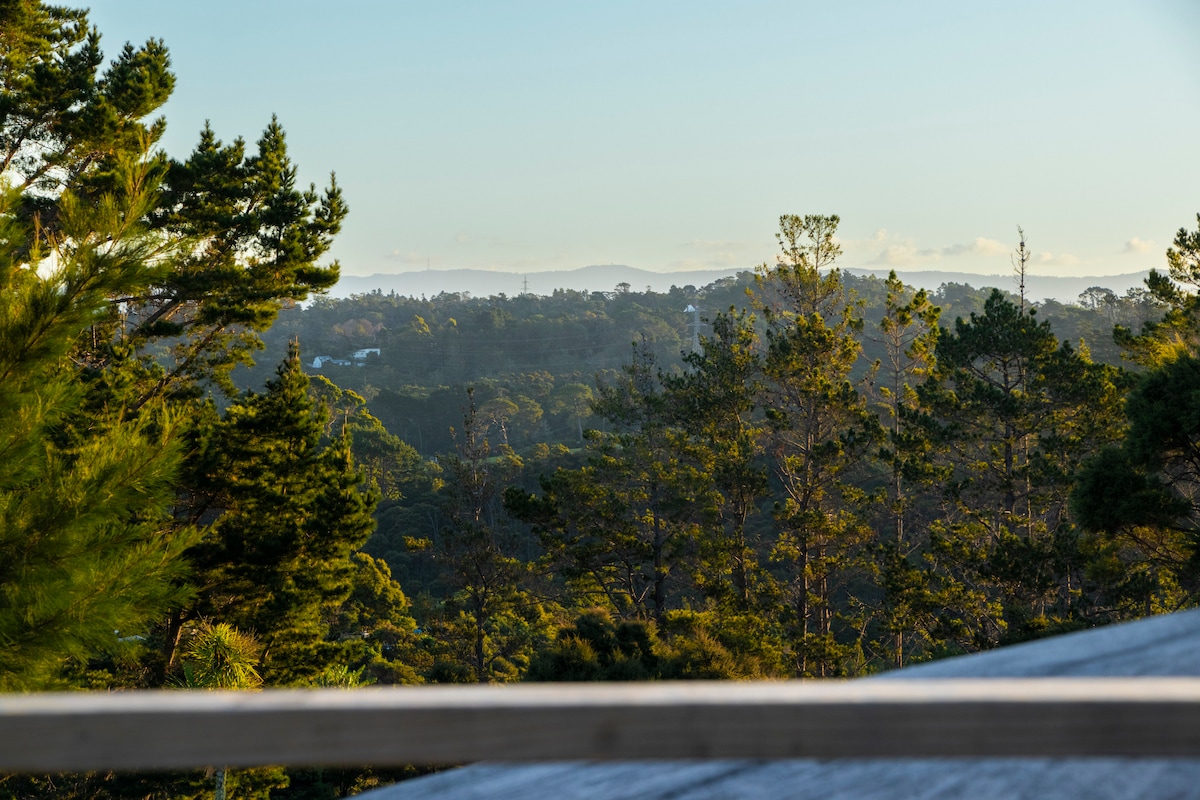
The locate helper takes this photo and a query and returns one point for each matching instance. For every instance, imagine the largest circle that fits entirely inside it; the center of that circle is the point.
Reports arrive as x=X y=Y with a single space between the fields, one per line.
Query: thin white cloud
x=870 y=244
x=1136 y=245
x=1059 y=260
x=899 y=255
x=981 y=246
x=906 y=253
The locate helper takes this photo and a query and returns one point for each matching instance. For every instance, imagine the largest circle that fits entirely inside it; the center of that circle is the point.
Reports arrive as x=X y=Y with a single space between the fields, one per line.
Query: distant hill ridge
x=1065 y=289
x=605 y=278
x=484 y=283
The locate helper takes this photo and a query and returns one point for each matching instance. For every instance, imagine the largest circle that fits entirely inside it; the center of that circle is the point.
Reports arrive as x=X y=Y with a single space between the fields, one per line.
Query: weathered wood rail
x=1040 y=717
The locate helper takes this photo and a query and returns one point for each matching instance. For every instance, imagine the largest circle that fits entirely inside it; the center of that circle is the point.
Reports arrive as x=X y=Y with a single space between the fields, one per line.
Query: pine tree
x=292 y=511
x=1014 y=411
x=715 y=402
x=63 y=124
x=820 y=429
x=253 y=242
x=491 y=623
x=1177 y=333
x=621 y=527
x=1138 y=498
x=230 y=242
x=88 y=552
x=908 y=331
x=597 y=648
x=238 y=238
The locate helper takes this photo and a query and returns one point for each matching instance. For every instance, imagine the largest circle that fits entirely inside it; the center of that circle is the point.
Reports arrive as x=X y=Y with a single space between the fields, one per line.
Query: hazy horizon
x=535 y=136
x=998 y=270
x=606 y=277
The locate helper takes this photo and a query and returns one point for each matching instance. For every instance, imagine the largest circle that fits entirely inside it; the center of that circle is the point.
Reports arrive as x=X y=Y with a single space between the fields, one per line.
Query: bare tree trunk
x=660 y=575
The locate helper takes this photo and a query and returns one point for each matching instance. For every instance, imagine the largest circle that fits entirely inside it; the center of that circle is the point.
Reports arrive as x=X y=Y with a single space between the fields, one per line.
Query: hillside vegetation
x=827 y=476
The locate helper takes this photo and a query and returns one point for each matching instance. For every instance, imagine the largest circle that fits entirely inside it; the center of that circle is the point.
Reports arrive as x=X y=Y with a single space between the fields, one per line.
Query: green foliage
x=820 y=429
x=375 y=628
x=130 y=285
x=885 y=478
x=623 y=523
x=251 y=241
x=905 y=607
x=793 y=498
x=236 y=238
x=278 y=558
x=595 y=648
x=1178 y=332
x=488 y=620
x=88 y=550
x=219 y=656
x=715 y=402
x=1013 y=413
x=1140 y=498
x=573 y=401
x=62 y=124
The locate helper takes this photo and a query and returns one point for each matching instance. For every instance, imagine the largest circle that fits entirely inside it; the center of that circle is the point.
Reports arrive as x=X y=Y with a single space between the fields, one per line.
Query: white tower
x=695 y=325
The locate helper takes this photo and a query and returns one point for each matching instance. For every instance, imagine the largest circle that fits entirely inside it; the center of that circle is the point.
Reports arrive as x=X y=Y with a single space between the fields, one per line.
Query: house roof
x=1161 y=646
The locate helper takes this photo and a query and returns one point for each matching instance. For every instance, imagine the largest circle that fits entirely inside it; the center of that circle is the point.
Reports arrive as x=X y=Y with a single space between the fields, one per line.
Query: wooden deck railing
x=1130 y=717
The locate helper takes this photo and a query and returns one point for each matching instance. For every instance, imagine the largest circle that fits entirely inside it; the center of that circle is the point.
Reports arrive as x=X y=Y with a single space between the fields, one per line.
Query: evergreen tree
x=237 y=237
x=1177 y=333
x=908 y=331
x=389 y=463
x=292 y=511
x=225 y=250
x=1014 y=411
x=595 y=648
x=820 y=429
x=376 y=627
x=63 y=124
x=490 y=622
x=1139 y=498
x=621 y=528
x=88 y=553
x=715 y=402
x=573 y=401
x=254 y=239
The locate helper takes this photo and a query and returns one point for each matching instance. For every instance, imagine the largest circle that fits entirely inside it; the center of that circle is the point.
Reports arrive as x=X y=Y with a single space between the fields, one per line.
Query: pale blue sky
x=526 y=136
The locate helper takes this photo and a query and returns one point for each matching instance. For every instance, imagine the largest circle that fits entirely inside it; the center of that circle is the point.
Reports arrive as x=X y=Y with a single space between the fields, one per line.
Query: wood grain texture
x=1135 y=717
x=1163 y=646
x=880 y=779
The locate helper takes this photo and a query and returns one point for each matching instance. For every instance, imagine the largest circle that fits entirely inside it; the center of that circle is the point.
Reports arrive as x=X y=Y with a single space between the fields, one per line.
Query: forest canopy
x=814 y=475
